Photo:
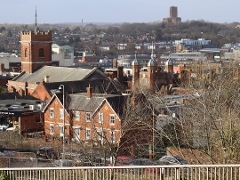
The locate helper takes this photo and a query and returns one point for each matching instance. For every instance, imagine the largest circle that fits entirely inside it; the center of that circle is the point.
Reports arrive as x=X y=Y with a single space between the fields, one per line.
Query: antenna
x=35 y=30
x=152 y=51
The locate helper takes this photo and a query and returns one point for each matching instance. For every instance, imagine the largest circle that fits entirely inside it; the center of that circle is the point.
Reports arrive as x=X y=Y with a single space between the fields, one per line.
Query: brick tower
x=152 y=67
x=135 y=72
x=169 y=65
x=36 y=50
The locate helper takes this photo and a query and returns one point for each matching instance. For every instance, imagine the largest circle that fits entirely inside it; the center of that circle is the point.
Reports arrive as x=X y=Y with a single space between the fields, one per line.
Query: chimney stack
x=46 y=78
x=120 y=73
x=89 y=91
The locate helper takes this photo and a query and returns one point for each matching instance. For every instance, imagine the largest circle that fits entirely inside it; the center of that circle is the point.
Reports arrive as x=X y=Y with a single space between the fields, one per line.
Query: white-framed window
x=99 y=135
x=88 y=133
x=88 y=116
x=112 y=137
x=100 y=118
x=61 y=130
x=77 y=115
x=51 y=128
x=51 y=113
x=112 y=119
x=61 y=112
x=77 y=133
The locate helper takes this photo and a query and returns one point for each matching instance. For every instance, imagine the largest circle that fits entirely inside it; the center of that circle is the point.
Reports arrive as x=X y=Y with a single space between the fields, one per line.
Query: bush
x=4 y=176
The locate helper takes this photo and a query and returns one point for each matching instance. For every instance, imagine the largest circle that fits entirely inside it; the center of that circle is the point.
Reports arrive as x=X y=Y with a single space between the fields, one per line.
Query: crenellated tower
x=36 y=50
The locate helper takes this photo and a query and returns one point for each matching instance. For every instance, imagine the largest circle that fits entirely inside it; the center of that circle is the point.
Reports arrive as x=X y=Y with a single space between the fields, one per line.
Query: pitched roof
x=15 y=96
x=99 y=86
x=60 y=74
x=80 y=102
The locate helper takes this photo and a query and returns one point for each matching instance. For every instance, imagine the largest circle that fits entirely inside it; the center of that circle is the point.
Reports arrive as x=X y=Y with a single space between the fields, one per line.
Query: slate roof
x=60 y=74
x=211 y=50
x=152 y=61
x=99 y=86
x=80 y=102
x=15 y=96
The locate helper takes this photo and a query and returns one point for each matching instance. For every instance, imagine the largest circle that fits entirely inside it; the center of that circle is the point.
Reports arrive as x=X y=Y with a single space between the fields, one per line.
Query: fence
x=178 y=172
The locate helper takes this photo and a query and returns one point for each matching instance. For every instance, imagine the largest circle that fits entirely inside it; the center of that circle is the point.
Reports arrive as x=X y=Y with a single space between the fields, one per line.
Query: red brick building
x=35 y=50
x=90 y=118
x=151 y=77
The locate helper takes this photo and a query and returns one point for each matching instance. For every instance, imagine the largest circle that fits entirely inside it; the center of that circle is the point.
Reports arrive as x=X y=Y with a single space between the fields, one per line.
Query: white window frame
x=88 y=133
x=100 y=135
x=100 y=118
x=77 y=115
x=61 y=130
x=51 y=129
x=51 y=112
x=61 y=113
x=112 y=137
x=77 y=133
x=112 y=118
x=88 y=116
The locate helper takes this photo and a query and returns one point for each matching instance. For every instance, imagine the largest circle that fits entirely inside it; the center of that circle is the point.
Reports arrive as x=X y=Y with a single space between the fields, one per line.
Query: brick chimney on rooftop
x=89 y=91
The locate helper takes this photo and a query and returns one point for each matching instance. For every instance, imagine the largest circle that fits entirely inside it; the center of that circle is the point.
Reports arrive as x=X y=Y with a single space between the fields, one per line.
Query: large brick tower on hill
x=36 y=50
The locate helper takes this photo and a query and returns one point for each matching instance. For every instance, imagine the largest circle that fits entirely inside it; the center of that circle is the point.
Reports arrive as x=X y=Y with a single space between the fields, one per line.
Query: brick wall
x=55 y=121
x=31 y=43
x=31 y=122
x=41 y=93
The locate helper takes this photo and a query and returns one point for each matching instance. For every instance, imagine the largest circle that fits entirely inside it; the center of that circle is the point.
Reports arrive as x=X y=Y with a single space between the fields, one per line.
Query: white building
x=200 y=41
x=63 y=54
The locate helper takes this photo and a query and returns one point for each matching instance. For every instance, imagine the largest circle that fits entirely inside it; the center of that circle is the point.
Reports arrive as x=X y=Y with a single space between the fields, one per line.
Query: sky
x=116 y=11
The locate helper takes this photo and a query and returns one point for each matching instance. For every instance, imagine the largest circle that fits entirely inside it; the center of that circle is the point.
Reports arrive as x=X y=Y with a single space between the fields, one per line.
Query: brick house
x=54 y=118
x=90 y=118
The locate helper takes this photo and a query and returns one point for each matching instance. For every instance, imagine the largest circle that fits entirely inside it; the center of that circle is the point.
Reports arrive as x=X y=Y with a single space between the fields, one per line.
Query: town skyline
x=108 y=11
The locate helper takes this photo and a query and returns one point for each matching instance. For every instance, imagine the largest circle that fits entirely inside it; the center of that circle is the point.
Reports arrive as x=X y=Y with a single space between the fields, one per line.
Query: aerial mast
x=35 y=30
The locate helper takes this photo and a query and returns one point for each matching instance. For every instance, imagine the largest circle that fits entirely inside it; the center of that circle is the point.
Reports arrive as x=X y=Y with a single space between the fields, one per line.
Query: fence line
x=176 y=172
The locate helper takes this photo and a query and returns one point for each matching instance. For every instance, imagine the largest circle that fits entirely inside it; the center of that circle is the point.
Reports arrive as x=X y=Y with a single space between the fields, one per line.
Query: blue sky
x=57 y=11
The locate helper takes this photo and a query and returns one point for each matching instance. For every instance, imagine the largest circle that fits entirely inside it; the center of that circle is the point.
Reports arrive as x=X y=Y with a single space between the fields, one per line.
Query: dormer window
x=41 y=53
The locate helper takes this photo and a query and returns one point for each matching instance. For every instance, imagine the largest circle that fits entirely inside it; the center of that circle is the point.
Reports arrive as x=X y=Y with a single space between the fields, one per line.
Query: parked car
x=84 y=160
x=46 y=153
x=172 y=160
x=141 y=162
x=63 y=163
x=4 y=126
x=144 y=162
x=122 y=161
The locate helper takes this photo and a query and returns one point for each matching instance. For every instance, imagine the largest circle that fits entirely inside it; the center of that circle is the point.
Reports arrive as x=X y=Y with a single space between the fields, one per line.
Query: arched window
x=26 y=52
x=41 y=53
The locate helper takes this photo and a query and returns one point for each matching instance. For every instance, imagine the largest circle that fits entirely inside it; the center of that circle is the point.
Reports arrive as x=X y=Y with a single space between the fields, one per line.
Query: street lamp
x=61 y=88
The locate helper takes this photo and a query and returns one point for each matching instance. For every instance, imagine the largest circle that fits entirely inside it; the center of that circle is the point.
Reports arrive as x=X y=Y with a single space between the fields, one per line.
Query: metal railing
x=178 y=172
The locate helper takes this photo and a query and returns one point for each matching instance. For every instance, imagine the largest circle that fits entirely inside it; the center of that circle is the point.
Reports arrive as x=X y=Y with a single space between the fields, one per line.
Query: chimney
x=46 y=79
x=120 y=73
x=89 y=91
x=2 y=68
x=114 y=63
